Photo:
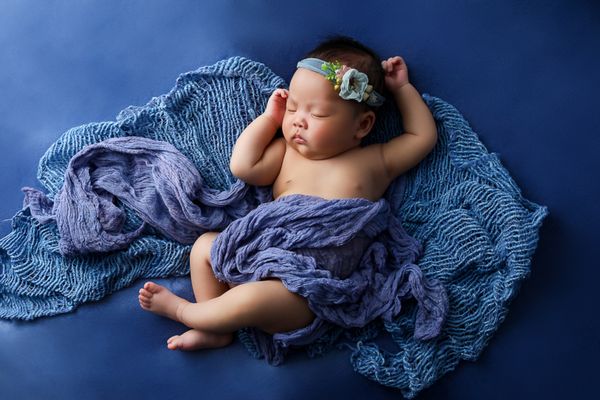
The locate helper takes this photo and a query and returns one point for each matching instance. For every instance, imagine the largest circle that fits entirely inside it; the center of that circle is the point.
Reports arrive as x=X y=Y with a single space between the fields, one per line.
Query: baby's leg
x=161 y=301
x=205 y=287
x=266 y=305
x=204 y=283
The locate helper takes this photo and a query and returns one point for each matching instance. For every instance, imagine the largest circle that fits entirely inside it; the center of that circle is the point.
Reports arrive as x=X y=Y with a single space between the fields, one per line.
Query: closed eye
x=319 y=116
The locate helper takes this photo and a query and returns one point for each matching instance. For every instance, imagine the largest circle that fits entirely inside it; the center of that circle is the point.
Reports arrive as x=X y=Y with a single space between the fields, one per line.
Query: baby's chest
x=325 y=178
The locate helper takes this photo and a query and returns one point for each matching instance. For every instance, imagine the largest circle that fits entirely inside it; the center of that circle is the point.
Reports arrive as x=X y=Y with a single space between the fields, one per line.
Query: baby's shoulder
x=371 y=155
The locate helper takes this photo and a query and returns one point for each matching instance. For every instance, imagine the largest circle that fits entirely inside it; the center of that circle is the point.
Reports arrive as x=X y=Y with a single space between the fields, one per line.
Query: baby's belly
x=325 y=191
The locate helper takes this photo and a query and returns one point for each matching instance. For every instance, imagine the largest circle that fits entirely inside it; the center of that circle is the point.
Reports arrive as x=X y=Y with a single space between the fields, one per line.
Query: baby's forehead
x=310 y=84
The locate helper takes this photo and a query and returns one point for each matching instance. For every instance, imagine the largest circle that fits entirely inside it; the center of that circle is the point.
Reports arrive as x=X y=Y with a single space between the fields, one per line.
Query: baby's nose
x=299 y=122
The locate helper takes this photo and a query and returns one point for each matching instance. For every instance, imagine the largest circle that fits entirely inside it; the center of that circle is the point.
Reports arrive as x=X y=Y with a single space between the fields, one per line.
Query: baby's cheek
x=287 y=120
x=285 y=126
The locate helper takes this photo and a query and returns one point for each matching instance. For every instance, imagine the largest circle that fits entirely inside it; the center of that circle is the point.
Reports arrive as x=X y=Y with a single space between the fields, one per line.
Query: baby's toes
x=173 y=342
x=144 y=304
x=152 y=287
x=144 y=294
x=144 y=298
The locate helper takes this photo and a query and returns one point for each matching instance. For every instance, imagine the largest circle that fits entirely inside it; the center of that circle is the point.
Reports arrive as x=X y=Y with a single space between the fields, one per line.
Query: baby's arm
x=256 y=158
x=420 y=134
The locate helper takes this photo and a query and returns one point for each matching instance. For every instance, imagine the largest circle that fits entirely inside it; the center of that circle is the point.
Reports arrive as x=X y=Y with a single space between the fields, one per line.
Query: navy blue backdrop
x=524 y=73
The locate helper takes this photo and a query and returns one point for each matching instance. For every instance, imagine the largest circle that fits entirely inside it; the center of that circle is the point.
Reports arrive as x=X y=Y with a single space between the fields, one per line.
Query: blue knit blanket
x=477 y=231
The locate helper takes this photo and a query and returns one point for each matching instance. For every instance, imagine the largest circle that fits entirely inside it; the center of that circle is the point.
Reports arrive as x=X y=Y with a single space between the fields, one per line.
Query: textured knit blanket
x=477 y=232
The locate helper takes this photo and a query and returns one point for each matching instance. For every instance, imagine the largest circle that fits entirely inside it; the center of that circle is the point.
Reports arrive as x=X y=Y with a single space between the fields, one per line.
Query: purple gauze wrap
x=151 y=177
x=350 y=258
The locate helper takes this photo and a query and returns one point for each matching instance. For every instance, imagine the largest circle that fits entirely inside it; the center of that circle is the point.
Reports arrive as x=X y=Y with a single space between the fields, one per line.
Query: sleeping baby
x=293 y=293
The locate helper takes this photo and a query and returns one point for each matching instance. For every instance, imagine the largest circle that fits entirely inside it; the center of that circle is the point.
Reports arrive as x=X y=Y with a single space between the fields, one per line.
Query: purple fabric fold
x=304 y=240
x=154 y=179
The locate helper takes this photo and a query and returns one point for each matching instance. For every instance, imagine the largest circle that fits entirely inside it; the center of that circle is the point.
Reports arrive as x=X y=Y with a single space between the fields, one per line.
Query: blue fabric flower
x=354 y=84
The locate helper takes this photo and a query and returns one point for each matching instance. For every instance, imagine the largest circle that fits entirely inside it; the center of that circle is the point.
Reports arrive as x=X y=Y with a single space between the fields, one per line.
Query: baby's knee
x=201 y=248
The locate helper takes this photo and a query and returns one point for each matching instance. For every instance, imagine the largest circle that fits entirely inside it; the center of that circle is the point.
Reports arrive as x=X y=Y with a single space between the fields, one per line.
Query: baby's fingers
x=283 y=93
x=391 y=63
x=386 y=66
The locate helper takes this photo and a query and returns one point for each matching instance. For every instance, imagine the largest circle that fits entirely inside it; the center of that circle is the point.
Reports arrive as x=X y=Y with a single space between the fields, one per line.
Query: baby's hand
x=396 y=73
x=276 y=105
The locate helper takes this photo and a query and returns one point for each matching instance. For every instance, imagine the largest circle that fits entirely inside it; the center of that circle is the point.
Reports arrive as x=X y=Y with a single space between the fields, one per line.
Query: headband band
x=349 y=82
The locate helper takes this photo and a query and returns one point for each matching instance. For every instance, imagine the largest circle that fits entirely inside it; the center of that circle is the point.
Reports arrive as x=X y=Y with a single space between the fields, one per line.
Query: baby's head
x=327 y=115
x=353 y=54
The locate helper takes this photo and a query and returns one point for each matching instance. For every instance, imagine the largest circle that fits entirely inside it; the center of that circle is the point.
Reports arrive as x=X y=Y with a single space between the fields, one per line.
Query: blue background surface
x=524 y=73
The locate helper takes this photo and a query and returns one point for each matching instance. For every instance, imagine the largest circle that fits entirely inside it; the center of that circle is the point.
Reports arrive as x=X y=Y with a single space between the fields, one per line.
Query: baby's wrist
x=273 y=120
x=400 y=89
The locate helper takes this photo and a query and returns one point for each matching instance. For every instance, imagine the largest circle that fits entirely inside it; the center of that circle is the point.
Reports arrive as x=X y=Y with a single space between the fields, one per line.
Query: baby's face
x=318 y=123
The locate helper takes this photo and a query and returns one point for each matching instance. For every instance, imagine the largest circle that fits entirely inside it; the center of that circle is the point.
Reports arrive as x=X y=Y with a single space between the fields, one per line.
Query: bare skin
x=162 y=301
x=320 y=155
x=222 y=309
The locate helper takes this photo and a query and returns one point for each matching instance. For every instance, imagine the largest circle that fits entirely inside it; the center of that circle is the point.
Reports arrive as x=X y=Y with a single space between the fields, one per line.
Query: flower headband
x=349 y=82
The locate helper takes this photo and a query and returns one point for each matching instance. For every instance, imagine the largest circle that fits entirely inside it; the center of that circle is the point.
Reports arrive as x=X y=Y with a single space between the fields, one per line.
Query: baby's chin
x=310 y=153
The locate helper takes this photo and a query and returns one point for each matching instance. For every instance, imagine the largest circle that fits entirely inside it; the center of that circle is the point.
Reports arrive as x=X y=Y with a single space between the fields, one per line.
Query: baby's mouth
x=298 y=139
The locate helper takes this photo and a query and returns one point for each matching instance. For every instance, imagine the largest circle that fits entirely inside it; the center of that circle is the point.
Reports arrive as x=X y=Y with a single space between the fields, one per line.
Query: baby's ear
x=366 y=120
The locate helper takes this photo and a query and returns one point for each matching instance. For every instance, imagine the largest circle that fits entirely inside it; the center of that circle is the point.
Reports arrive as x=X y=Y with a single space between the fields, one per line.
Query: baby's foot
x=161 y=301
x=195 y=340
